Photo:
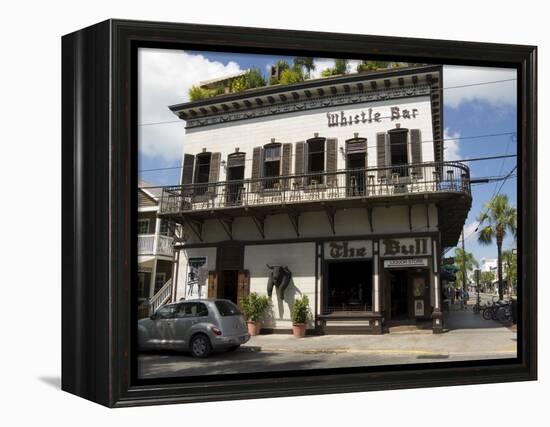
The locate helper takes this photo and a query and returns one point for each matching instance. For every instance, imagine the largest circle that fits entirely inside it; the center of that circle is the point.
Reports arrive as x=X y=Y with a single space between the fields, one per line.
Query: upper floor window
x=272 y=164
x=315 y=159
x=399 y=157
x=202 y=172
x=165 y=227
x=143 y=226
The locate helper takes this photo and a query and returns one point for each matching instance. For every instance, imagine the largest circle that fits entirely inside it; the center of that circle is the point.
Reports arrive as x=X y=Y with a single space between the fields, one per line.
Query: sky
x=477 y=102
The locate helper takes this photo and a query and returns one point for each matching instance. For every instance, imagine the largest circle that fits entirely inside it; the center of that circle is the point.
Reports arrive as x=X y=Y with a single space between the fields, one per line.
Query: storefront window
x=349 y=287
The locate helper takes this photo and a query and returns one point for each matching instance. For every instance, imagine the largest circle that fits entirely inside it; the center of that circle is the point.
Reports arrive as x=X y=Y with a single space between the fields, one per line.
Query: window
x=315 y=160
x=143 y=226
x=164 y=227
x=192 y=309
x=227 y=308
x=398 y=151
x=167 y=312
x=272 y=164
x=202 y=172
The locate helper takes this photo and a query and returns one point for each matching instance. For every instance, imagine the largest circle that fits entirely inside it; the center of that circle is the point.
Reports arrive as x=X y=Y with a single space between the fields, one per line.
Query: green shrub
x=300 y=310
x=291 y=76
x=196 y=93
x=254 y=306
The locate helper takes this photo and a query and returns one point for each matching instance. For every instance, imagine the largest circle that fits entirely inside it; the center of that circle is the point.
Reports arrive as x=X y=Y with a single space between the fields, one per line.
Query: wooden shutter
x=381 y=155
x=299 y=161
x=243 y=285
x=416 y=151
x=214 y=173
x=187 y=173
x=256 y=168
x=332 y=161
x=212 y=284
x=285 y=161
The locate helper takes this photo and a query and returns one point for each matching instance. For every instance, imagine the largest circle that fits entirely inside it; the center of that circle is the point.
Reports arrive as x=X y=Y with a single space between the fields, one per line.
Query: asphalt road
x=155 y=365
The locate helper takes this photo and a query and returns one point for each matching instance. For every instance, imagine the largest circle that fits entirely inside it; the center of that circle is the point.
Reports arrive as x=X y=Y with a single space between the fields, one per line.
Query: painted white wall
x=300 y=259
x=349 y=222
x=300 y=126
x=183 y=270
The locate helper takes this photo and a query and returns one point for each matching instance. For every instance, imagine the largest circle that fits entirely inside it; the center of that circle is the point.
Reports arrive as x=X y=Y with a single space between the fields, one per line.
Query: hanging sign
x=407 y=262
x=348 y=249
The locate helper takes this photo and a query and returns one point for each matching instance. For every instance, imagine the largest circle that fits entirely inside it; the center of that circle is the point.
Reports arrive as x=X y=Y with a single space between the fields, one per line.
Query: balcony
x=146 y=245
x=444 y=183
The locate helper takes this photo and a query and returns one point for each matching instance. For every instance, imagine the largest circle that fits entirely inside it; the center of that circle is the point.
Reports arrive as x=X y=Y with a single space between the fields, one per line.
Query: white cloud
x=450 y=144
x=164 y=77
x=497 y=94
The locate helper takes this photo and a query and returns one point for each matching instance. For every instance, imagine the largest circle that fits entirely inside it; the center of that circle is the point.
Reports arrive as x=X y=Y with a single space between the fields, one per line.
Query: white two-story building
x=341 y=180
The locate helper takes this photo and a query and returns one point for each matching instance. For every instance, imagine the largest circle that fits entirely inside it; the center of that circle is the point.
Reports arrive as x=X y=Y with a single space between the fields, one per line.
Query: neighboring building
x=155 y=252
x=341 y=180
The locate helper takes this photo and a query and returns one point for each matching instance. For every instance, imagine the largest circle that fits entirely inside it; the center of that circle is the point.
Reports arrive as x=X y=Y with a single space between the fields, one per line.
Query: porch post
x=437 y=315
x=152 y=281
x=376 y=289
x=156 y=238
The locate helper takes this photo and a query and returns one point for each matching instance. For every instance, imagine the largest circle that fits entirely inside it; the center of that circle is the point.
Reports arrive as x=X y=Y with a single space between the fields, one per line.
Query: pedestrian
x=466 y=298
x=457 y=295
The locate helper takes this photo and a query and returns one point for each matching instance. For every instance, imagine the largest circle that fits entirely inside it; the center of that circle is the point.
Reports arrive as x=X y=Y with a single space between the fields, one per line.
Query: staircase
x=160 y=298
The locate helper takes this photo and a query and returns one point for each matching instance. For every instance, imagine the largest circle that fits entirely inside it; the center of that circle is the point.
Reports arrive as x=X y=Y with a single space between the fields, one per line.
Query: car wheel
x=233 y=348
x=200 y=346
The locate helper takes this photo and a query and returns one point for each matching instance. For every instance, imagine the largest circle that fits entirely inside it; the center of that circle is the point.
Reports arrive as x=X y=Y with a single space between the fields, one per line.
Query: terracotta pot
x=299 y=330
x=254 y=328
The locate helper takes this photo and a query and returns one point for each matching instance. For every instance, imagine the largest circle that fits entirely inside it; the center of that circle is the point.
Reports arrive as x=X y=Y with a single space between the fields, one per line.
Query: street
x=468 y=337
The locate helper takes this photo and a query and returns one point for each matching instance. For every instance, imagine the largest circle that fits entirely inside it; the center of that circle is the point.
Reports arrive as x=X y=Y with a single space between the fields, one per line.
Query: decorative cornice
x=310 y=104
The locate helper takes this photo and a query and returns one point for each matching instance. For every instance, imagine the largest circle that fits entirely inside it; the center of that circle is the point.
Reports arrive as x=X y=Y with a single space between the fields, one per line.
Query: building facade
x=334 y=188
x=155 y=252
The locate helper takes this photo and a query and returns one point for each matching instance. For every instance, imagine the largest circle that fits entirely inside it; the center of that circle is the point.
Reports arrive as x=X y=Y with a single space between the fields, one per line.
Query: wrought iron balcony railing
x=394 y=181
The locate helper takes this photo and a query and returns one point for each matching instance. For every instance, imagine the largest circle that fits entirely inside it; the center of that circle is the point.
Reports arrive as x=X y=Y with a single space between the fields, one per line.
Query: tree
x=305 y=62
x=498 y=220
x=464 y=261
x=486 y=278
x=291 y=76
x=196 y=93
x=510 y=266
x=371 y=66
x=341 y=66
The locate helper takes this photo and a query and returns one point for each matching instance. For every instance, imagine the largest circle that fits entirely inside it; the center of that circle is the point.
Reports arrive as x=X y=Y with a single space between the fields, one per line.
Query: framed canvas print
x=258 y=213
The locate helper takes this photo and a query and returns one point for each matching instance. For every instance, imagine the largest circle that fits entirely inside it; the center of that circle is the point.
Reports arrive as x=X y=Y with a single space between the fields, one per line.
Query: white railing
x=161 y=297
x=146 y=245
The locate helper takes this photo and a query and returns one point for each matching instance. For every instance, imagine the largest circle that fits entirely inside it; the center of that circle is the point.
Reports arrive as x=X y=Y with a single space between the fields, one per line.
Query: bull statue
x=279 y=277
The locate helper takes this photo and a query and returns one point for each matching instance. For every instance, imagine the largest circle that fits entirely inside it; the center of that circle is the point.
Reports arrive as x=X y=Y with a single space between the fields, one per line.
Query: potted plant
x=253 y=307
x=299 y=315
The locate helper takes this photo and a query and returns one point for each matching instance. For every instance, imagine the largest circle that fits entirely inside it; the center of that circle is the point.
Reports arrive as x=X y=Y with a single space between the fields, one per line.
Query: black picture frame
x=99 y=181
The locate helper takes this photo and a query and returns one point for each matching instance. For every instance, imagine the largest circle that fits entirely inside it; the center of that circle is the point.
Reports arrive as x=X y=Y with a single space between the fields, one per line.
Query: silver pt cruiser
x=198 y=326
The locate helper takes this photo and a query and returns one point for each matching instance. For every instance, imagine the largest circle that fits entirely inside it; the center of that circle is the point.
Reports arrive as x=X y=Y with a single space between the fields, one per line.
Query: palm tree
x=498 y=219
x=509 y=260
x=464 y=261
x=306 y=62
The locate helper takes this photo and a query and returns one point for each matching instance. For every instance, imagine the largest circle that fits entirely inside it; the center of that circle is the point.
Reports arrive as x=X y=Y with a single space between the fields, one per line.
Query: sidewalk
x=467 y=334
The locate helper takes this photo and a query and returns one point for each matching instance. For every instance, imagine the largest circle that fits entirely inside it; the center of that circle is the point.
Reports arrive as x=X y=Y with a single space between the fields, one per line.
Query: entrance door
x=228 y=288
x=356 y=179
x=399 y=294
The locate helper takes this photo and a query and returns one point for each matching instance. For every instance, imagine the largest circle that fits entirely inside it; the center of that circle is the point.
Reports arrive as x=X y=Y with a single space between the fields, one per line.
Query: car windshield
x=227 y=308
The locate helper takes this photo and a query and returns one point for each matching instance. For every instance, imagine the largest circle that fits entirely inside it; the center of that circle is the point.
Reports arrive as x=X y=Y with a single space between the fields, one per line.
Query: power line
x=383 y=117
x=474 y=159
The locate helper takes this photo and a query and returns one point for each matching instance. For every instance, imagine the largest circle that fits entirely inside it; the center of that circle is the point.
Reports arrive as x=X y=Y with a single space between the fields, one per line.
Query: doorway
x=228 y=286
x=235 y=176
x=399 y=294
x=356 y=178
